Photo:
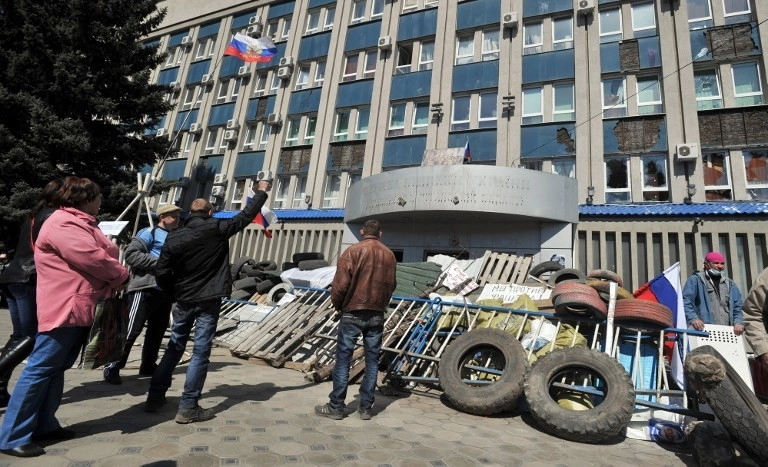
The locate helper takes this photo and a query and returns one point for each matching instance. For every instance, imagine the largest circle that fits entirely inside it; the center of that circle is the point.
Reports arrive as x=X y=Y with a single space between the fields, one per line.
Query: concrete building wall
x=676 y=67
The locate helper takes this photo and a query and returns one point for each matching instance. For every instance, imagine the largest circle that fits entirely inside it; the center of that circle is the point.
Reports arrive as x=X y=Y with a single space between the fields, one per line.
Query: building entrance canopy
x=475 y=193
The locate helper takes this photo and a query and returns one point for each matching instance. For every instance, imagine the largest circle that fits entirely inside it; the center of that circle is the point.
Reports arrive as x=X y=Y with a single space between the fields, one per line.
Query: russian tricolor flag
x=467 y=154
x=251 y=50
x=666 y=288
x=265 y=218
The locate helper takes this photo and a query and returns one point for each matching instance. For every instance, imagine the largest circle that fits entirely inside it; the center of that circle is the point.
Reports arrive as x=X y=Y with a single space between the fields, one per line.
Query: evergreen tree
x=76 y=99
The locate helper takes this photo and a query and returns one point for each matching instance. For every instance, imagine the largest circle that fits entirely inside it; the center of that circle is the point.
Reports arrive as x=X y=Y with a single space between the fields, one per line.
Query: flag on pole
x=666 y=288
x=251 y=50
x=467 y=155
x=265 y=218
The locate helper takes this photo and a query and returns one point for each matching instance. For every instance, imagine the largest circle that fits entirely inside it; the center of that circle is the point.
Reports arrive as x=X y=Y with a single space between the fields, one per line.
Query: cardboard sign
x=455 y=276
x=508 y=293
x=112 y=227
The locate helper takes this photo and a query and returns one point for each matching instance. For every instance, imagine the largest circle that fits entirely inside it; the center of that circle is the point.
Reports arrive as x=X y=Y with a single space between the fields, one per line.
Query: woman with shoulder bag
x=18 y=282
x=77 y=266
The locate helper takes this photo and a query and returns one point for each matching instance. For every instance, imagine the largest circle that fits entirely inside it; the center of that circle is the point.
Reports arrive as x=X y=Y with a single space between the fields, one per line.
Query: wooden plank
x=285 y=314
x=482 y=276
x=498 y=271
x=522 y=276
x=510 y=270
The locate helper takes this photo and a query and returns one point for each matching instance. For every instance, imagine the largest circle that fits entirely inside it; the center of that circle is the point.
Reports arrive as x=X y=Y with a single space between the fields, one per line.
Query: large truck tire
x=567 y=274
x=486 y=348
x=237 y=266
x=643 y=314
x=249 y=284
x=600 y=420
x=606 y=275
x=738 y=409
x=546 y=266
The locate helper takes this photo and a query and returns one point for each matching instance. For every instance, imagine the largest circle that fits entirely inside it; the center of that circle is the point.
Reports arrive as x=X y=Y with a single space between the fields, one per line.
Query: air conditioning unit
x=232 y=124
x=286 y=61
x=385 y=43
x=218 y=192
x=186 y=41
x=175 y=86
x=274 y=119
x=284 y=72
x=161 y=132
x=584 y=7
x=230 y=135
x=219 y=179
x=687 y=152
x=206 y=80
x=254 y=30
x=254 y=19
x=243 y=71
x=509 y=20
x=195 y=128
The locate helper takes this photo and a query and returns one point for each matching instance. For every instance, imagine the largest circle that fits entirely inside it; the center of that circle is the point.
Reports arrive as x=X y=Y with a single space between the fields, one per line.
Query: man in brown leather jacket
x=361 y=290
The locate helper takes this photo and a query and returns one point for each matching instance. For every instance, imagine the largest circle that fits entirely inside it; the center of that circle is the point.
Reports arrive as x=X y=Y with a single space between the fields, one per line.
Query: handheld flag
x=666 y=289
x=467 y=155
x=265 y=218
x=251 y=50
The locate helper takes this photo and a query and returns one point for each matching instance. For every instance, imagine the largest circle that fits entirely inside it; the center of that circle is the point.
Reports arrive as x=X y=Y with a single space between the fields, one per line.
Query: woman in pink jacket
x=76 y=267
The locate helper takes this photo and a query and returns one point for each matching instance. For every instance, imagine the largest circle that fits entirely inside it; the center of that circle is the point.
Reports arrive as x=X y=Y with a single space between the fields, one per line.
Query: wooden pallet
x=503 y=268
x=283 y=332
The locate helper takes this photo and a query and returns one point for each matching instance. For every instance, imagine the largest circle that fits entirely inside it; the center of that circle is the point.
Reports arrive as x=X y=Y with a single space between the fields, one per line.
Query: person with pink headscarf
x=709 y=297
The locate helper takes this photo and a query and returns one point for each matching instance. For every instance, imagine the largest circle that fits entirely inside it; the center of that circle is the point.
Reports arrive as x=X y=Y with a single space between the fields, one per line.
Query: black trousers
x=150 y=307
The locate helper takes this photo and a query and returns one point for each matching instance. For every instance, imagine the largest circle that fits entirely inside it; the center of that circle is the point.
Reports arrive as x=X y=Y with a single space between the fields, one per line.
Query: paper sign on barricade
x=455 y=276
x=508 y=293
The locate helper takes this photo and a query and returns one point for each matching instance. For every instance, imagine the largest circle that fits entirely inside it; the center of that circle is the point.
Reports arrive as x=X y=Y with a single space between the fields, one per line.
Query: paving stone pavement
x=264 y=416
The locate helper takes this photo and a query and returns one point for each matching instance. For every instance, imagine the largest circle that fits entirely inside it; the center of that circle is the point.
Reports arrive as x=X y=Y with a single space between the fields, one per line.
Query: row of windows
x=717 y=177
x=640 y=16
x=540 y=104
x=653 y=179
x=745 y=80
x=288 y=192
x=734 y=11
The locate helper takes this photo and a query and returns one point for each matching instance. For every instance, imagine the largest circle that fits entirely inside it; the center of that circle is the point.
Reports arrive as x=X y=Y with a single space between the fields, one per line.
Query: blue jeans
x=204 y=317
x=369 y=324
x=37 y=394
x=22 y=304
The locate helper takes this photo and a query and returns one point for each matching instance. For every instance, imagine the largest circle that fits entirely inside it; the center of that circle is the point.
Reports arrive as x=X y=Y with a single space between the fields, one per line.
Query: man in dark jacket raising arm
x=361 y=290
x=194 y=269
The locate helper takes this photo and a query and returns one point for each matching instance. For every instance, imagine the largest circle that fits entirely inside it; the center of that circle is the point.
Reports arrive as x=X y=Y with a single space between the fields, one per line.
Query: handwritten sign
x=508 y=293
x=455 y=276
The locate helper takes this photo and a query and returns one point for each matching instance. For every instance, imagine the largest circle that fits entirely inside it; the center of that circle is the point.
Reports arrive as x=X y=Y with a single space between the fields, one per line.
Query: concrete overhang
x=464 y=193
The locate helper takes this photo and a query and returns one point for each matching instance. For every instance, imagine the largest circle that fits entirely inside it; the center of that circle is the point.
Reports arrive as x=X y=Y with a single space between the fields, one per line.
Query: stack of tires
x=574 y=393
x=250 y=277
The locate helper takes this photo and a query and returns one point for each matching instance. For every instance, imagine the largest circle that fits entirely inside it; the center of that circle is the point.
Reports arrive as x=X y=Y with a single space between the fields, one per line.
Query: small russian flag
x=265 y=218
x=467 y=155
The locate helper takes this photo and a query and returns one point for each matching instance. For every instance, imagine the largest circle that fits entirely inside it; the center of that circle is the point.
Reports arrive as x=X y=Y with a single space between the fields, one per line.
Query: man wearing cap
x=709 y=297
x=147 y=303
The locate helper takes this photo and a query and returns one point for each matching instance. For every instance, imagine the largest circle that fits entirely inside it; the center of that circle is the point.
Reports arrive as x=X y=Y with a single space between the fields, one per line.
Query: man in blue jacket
x=147 y=303
x=709 y=297
x=194 y=269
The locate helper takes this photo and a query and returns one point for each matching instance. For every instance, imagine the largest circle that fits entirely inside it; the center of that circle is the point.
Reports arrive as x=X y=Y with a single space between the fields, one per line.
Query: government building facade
x=624 y=135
